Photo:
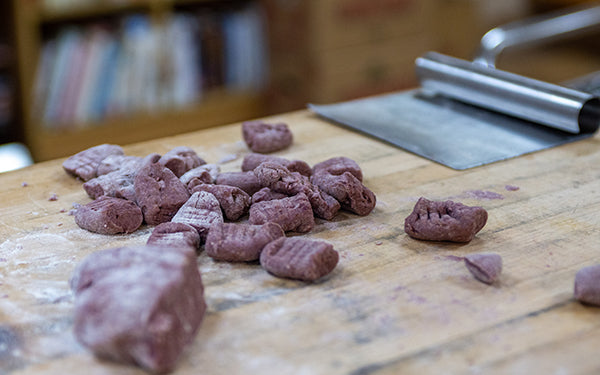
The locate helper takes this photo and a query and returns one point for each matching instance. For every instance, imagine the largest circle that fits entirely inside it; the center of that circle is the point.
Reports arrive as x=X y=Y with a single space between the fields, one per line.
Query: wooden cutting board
x=393 y=305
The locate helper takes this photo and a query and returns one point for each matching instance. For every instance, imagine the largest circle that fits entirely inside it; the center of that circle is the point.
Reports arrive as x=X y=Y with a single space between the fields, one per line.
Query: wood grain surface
x=394 y=305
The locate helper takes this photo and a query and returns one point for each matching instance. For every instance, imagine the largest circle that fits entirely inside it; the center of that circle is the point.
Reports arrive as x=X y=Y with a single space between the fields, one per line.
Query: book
x=107 y=73
x=185 y=54
x=212 y=59
x=73 y=81
x=67 y=41
x=246 y=62
x=98 y=40
x=43 y=77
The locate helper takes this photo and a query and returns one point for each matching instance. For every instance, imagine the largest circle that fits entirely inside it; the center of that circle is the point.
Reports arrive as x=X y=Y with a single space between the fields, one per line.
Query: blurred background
x=76 y=73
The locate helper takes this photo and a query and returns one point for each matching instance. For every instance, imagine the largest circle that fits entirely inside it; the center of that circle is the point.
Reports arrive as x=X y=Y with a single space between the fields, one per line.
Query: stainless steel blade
x=446 y=131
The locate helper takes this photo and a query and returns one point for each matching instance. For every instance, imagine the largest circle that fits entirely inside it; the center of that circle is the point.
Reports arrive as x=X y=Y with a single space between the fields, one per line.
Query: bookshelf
x=37 y=23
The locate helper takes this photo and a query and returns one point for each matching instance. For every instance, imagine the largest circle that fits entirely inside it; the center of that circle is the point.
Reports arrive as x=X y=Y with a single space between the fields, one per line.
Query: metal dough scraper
x=468 y=114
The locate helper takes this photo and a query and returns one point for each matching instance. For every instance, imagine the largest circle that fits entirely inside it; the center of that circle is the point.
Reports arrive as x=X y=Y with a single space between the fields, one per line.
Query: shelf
x=86 y=10
x=91 y=10
x=217 y=108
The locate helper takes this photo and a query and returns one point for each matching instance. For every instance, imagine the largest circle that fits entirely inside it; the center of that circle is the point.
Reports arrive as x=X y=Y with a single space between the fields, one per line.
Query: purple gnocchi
x=299 y=258
x=238 y=242
x=201 y=211
x=234 y=201
x=171 y=234
x=264 y=138
x=107 y=215
x=84 y=164
x=159 y=193
x=292 y=214
x=444 y=221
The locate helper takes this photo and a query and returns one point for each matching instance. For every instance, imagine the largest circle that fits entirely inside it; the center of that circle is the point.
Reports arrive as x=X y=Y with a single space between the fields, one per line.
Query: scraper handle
x=537 y=30
x=544 y=103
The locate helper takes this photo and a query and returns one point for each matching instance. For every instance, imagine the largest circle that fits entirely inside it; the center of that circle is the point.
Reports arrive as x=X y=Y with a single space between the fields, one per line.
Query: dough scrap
x=587 y=285
x=485 y=267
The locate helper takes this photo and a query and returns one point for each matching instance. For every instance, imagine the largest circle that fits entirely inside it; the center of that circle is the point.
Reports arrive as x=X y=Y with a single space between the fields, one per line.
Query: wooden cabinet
x=36 y=23
x=336 y=50
x=8 y=113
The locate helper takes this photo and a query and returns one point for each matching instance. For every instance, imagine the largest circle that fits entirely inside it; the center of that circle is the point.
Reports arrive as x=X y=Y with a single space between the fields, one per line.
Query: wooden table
x=393 y=305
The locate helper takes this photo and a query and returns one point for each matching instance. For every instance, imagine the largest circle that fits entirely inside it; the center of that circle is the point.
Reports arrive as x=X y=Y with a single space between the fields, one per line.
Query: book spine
x=211 y=60
x=73 y=82
x=97 y=43
x=65 y=47
x=43 y=78
x=186 y=52
x=107 y=75
x=245 y=52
